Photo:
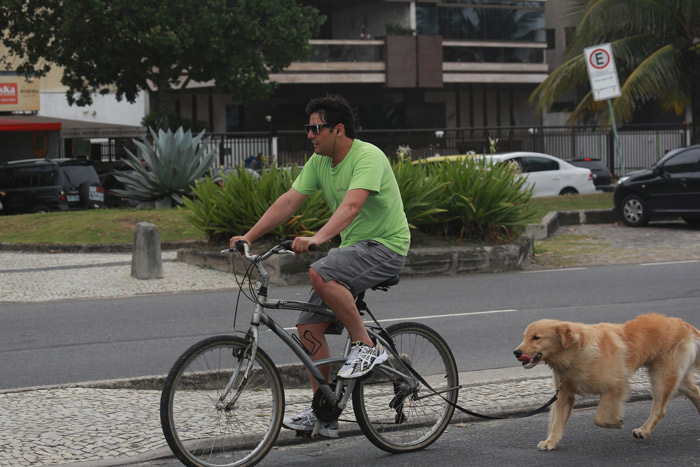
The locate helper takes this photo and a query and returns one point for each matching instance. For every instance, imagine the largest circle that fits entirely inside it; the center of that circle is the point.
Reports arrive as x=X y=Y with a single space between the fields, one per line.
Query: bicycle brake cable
x=240 y=285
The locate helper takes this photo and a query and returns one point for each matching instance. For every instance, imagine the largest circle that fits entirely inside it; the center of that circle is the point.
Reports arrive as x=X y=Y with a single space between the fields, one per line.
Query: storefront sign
x=18 y=93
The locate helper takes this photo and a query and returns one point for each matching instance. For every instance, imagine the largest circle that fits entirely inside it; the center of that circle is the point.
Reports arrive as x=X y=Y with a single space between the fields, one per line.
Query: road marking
x=451 y=315
x=671 y=262
x=553 y=270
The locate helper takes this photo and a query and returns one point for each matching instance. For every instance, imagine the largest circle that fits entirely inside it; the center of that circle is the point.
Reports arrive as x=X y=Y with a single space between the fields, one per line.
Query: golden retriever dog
x=600 y=358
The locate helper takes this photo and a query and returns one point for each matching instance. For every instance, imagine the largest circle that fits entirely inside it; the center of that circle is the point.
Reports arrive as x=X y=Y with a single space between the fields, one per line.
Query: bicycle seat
x=387 y=283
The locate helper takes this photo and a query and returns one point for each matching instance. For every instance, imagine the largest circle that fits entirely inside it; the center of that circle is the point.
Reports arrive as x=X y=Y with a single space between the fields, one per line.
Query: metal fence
x=640 y=146
x=233 y=149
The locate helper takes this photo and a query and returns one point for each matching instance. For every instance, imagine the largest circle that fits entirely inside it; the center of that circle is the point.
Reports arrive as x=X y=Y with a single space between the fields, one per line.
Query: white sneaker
x=306 y=420
x=362 y=359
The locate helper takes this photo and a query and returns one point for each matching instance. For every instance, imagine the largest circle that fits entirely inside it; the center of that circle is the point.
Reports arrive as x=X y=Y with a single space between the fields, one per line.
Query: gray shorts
x=357 y=267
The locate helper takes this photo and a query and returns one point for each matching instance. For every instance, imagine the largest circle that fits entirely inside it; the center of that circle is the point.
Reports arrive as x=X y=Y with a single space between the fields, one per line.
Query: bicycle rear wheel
x=201 y=428
x=392 y=416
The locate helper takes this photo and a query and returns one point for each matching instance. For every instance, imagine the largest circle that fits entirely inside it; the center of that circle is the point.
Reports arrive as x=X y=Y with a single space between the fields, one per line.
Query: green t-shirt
x=381 y=218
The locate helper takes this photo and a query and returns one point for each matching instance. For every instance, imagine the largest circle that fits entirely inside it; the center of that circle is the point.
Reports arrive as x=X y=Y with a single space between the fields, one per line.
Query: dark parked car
x=603 y=179
x=671 y=188
x=109 y=182
x=42 y=185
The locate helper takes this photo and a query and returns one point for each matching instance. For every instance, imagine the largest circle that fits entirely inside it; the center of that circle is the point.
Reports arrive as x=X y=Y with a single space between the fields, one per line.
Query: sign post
x=604 y=83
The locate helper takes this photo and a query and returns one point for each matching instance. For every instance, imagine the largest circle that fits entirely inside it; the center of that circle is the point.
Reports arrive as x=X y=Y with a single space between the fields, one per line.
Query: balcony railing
x=334 y=50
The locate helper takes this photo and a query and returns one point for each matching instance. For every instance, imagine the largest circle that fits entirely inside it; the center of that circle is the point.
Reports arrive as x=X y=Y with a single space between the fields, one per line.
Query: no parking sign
x=602 y=72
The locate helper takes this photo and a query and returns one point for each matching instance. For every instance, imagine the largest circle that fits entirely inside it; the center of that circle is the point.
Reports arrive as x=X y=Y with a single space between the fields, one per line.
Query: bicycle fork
x=249 y=353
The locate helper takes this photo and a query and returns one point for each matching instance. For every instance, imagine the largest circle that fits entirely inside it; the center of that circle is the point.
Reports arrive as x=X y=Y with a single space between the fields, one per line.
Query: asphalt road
x=481 y=316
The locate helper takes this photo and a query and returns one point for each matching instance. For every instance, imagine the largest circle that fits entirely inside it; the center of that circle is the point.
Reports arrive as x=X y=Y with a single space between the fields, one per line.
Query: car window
x=538 y=164
x=23 y=177
x=44 y=176
x=7 y=178
x=79 y=174
x=686 y=161
x=592 y=165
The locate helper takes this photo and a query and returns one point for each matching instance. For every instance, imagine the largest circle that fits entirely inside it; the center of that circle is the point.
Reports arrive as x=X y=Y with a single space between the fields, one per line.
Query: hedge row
x=478 y=201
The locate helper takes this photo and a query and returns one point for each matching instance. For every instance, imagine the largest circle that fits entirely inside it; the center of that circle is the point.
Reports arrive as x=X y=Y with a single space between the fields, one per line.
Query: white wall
x=104 y=109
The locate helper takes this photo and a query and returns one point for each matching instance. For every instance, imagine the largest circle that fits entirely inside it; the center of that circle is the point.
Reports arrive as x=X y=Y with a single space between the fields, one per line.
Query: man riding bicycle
x=359 y=186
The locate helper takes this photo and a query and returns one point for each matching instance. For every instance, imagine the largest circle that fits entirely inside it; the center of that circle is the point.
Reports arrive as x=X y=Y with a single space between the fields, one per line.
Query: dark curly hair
x=334 y=109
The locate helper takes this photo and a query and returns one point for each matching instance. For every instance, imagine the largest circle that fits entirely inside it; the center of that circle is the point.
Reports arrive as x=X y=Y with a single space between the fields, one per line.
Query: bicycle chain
x=324 y=409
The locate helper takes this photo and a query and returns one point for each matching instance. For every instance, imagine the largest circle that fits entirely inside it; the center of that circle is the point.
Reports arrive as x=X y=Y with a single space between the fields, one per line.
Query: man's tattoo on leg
x=313 y=345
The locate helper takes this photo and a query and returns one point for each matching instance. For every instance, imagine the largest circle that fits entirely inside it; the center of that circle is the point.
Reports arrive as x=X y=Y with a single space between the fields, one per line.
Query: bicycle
x=223 y=401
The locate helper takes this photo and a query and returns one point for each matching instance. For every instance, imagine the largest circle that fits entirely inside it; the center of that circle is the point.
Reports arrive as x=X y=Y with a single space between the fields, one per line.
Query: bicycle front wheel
x=396 y=418
x=202 y=423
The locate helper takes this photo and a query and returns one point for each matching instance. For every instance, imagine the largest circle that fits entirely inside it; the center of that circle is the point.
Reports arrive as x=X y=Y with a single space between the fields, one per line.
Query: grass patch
x=544 y=205
x=94 y=226
x=117 y=225
x=567 y=250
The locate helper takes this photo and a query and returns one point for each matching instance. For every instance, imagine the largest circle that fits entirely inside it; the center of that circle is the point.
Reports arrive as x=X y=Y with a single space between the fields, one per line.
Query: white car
x=549 y=175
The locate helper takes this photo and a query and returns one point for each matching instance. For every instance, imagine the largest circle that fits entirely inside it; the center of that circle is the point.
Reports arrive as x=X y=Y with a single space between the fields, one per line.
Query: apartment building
x=403 y=63
x=407 y=64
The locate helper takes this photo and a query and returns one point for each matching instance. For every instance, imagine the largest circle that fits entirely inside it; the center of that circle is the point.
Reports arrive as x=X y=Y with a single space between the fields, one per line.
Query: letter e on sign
x=602 y=72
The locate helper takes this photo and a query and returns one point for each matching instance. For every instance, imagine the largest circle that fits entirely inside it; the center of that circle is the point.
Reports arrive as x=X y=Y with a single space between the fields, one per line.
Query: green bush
x=234 y=205
x=173 y=161
x=478 y=201
x=423 y=197
x=484 y=201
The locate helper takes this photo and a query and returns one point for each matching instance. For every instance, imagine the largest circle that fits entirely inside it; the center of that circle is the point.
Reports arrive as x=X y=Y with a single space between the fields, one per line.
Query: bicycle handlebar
x=244 y=248
x=287 y=245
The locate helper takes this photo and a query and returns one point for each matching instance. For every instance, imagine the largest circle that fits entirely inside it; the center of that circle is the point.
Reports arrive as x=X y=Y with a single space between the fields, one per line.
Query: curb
x=555 y=219
x=287 y=270
x=90 y=248
x=293 y=376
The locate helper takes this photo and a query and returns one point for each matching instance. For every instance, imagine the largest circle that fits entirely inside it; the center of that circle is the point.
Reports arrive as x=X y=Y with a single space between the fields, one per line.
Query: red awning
x=21 y=125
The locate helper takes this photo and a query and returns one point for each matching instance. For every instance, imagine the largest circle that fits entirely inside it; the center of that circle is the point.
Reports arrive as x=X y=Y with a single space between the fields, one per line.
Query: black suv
x=670 y=188
x=42 y=185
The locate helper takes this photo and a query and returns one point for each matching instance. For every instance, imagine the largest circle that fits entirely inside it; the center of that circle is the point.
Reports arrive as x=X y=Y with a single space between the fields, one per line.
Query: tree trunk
x=162 y=96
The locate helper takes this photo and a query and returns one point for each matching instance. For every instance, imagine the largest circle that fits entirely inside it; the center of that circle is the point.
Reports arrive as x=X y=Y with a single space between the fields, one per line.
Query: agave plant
x=172 y=165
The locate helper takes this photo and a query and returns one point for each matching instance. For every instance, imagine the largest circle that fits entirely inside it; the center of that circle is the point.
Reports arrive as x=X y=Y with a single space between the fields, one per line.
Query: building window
x=233 y=118
x=512 y=20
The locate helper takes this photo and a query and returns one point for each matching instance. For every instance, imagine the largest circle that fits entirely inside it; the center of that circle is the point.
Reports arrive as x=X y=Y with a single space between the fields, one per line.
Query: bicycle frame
x=260 y=317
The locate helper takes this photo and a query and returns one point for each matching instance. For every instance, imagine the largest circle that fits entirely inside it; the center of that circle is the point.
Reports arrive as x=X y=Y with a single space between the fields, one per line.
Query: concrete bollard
x=146 y=262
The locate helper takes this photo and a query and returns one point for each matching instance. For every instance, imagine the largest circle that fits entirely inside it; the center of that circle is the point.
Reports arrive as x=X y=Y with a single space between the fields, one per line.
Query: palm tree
x=656 y=45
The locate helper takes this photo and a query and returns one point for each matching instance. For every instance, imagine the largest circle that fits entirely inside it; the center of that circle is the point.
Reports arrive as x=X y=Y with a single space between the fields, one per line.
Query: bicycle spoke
x=202 y=429
x=396 y=416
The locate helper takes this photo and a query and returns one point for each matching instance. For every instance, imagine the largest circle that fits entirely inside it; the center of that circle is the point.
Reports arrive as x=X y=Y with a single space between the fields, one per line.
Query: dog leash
x=505 y=417
x=554 y=398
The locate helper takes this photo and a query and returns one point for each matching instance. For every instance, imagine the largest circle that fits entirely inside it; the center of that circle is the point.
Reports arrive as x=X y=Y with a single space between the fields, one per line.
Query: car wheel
x=634 y=212
x=92 y=195
x=40 y=208
x=568 y=191
x=692 y=221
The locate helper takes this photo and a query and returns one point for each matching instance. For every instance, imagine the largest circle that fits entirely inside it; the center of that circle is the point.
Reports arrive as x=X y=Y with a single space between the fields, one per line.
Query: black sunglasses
x=316 y=127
